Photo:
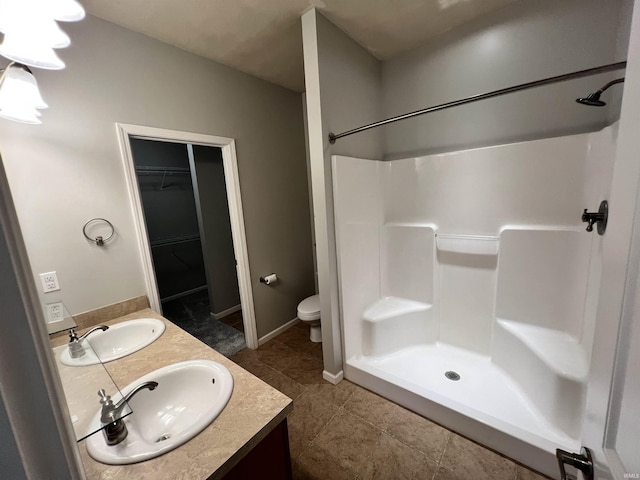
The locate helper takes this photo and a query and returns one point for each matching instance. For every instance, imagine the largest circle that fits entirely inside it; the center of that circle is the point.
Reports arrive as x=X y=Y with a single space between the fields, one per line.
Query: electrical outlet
x=49 y=282
x=55 y=312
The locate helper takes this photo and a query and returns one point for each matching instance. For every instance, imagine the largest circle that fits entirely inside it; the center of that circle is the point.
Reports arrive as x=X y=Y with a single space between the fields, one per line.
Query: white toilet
x=309 y=312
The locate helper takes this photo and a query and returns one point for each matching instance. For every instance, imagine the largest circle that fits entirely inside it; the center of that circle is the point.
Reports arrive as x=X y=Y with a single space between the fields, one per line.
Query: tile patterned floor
x=346 y=432
x=234 y=320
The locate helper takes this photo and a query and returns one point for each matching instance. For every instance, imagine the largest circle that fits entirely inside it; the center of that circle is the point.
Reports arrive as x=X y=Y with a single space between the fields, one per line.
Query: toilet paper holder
x=269 y=279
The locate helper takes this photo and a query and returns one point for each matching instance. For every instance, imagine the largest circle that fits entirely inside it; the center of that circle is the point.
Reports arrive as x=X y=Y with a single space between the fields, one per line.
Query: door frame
x=617 y=311
x=232 y=181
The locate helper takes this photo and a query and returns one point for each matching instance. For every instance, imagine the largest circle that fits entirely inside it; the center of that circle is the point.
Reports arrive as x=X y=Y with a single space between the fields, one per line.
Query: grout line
x=304 y=354
x=446 y=445
x=324 y=426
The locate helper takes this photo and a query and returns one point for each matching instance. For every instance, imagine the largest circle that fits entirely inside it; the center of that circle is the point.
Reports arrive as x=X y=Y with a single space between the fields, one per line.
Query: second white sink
x=118 y=341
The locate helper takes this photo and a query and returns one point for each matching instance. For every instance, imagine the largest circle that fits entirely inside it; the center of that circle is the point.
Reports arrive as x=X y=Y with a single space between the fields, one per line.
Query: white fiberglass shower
x=468 y=285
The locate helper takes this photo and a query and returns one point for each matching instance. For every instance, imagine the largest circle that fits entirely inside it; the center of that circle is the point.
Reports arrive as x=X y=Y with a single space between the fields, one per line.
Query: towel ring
x=99 y=240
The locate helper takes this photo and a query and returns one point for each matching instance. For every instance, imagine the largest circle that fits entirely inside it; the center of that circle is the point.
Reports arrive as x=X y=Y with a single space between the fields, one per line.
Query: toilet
x=309 y=312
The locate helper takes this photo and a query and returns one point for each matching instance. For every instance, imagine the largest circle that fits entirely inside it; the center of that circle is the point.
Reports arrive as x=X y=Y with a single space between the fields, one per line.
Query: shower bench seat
x=392 y=323
x=560 y=351
x=556 y=365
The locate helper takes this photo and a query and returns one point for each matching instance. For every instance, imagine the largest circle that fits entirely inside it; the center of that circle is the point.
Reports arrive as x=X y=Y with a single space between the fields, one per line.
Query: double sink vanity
x=173 y=407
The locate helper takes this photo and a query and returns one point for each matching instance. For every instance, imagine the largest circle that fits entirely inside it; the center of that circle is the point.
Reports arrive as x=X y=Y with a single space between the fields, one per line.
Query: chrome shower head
x=593 y=99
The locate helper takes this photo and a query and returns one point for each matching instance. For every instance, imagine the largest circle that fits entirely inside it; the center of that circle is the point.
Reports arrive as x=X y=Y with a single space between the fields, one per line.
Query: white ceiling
x=263 y=37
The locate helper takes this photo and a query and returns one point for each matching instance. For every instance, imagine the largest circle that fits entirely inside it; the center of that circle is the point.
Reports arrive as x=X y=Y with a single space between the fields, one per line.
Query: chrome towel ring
x=99 y=240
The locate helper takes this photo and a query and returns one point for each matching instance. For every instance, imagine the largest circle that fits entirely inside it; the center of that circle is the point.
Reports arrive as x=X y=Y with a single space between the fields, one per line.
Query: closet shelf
x=174 y=240
x=142 y=170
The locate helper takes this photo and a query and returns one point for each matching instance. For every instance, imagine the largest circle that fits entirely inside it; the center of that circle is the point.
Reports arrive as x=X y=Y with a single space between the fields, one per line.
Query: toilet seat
x=309 y=308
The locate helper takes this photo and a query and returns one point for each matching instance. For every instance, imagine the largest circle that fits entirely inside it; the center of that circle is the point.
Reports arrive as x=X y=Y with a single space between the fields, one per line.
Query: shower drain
x=451 y=375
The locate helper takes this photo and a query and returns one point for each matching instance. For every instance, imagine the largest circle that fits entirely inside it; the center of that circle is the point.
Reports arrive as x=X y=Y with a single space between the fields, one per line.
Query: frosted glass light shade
x=38 y=30
x=23 y=115
x=19 y=90
x=19 y=11
x=64 y=10
x=31 y=31
x=29 y=51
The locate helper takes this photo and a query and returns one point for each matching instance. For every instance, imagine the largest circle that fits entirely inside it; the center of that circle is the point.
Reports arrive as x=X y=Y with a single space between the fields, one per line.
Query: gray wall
x=218 y=242
x=522 y=42
x=343 y=89
x=69 y=169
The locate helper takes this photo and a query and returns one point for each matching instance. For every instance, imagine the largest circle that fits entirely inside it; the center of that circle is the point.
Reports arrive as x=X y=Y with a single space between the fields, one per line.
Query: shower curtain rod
x=482 y=96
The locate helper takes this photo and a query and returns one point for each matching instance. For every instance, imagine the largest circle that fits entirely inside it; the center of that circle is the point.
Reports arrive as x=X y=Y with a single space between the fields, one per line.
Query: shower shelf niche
x=468 y=244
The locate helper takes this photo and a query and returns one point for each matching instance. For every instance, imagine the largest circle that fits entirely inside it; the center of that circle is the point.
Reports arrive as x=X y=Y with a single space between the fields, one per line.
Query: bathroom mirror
x=57 y=316
x=81 y=383
x=81 y=386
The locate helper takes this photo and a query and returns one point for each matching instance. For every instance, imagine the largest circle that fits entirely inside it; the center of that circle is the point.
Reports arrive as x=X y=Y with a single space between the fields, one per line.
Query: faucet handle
x=72 y=335
x=108 y=413
x=104 y=398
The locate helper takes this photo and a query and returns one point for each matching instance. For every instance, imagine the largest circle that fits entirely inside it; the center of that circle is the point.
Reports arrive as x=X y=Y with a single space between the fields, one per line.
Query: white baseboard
x=331 y=378
x=277 y=331
x=227 y=312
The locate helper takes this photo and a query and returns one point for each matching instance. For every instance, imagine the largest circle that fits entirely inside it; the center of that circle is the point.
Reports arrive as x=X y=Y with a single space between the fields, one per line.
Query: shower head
x=593 y=99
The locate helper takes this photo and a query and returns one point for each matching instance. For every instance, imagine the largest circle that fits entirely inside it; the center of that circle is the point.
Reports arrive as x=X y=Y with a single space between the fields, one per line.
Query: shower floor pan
x=484 y=404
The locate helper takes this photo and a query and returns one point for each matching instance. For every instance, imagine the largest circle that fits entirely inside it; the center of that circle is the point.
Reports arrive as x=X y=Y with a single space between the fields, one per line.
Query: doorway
x=185 y=192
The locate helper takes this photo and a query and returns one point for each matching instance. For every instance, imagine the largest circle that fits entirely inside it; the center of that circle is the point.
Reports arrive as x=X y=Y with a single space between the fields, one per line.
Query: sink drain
x=164 y=437
x=451 y=375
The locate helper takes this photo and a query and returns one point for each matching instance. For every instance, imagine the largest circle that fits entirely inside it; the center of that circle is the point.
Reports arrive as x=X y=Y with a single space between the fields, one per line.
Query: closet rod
x=482 y=96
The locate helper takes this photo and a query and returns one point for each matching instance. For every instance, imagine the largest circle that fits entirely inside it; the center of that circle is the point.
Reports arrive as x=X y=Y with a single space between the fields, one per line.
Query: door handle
x=582 y=461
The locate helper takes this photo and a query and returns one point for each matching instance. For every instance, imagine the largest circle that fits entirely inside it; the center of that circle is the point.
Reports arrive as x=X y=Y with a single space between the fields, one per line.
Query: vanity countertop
x=254 y=409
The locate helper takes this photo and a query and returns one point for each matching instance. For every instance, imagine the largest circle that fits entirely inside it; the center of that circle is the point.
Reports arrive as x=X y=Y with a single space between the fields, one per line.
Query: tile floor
x=347 y=432
x=234 y=320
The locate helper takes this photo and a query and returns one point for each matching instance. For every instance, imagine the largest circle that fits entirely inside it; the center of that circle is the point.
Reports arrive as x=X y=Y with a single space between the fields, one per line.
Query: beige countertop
x=254 y=409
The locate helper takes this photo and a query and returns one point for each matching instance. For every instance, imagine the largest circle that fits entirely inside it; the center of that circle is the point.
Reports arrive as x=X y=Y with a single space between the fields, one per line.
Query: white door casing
x=232 y=182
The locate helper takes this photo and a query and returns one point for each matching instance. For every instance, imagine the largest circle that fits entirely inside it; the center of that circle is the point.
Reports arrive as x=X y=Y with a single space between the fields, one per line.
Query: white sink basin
x=118 y=341
x=189 y=396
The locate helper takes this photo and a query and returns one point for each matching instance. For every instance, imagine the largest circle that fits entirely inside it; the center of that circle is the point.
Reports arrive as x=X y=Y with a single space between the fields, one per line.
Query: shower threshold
x=440 y=381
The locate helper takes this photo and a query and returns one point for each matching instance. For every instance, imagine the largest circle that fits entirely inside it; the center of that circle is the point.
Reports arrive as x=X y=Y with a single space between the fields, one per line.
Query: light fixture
x=20 y=98
x=31 y=32
x=30 y=35
x=25 y=50
x=64 y=10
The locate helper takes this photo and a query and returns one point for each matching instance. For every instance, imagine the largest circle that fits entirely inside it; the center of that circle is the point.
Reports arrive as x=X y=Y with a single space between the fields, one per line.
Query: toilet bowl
x=309 y=312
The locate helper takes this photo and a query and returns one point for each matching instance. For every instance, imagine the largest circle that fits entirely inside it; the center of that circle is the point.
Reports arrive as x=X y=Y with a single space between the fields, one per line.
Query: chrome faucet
x=115 y=430
x=76 y=350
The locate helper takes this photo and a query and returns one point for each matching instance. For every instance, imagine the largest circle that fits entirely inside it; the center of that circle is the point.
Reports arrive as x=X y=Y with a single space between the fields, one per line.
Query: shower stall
x=468 y=285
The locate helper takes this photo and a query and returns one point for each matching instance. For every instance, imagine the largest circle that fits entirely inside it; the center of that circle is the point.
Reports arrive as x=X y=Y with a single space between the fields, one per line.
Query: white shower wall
x=480 y=251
